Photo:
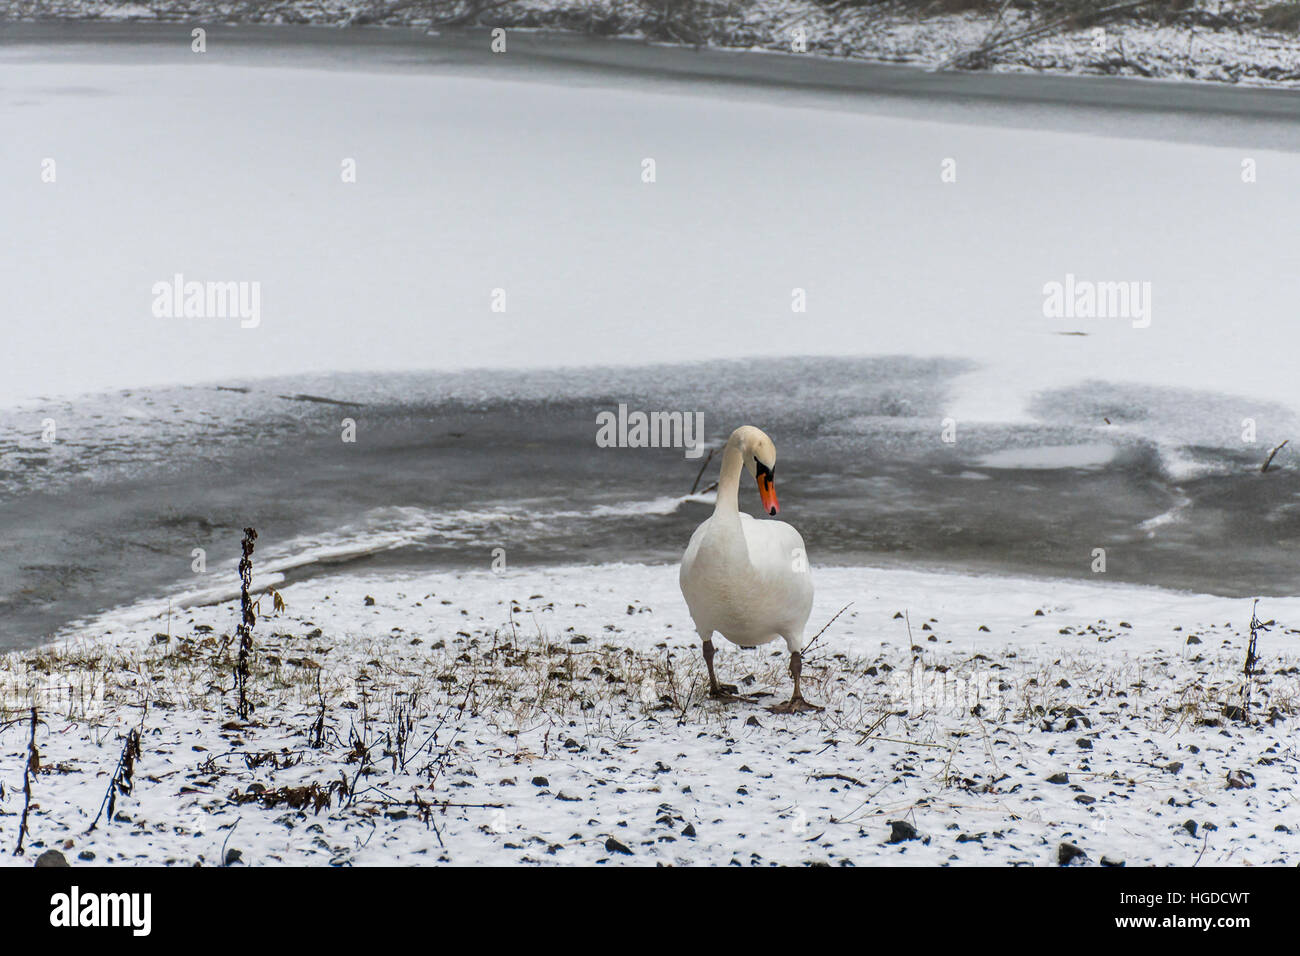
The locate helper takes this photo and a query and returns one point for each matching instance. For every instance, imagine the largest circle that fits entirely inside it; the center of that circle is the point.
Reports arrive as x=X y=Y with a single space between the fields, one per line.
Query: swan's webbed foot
x=795 y=705
x=726 y=693
x=723 y=697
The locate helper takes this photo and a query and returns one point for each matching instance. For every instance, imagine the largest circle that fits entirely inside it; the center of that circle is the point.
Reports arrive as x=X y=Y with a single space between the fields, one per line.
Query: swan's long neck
x=733 y=462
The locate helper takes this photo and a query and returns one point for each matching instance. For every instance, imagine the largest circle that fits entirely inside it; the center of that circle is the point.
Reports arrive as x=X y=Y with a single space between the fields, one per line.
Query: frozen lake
x=523 y=172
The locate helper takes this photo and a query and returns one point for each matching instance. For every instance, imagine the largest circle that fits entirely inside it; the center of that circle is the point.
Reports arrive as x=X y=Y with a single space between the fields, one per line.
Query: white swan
x=744 y=578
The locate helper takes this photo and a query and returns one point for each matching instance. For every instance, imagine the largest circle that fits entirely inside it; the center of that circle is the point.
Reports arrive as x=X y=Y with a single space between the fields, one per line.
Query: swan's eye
x=761 y=470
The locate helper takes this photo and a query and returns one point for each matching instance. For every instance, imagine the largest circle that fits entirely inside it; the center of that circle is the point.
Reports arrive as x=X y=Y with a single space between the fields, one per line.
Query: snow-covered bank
x=555 y=716
x=1237 y=41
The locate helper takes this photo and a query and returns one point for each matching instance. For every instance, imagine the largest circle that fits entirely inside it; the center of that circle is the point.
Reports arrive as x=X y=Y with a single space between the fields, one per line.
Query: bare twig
x=1256 y=627
x=468 y=16
x=701 y=471
x=996 y=29
x=1272 y=454
x=31 y=770
x=122 y=779
x=1076 y=19
x=807 y=646
x=1204 y=846
x=248 y=618
x=317 y=735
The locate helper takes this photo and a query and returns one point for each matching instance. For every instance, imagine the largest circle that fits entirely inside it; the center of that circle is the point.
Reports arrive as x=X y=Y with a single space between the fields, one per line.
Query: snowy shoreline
x=1233 y=43
x=556 y=716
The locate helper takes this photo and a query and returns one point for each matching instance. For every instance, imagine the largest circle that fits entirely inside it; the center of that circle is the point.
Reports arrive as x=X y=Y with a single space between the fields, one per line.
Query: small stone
x=1174 y=767
x=233 y=856
x=370 y=602
x=688 y=830
x=1190 y=826
x=541 y=782
x=1107 y=861
x=1059 y=778
x=1067 y=854
x=613 y=846
x=901 y=831
x=51 y=858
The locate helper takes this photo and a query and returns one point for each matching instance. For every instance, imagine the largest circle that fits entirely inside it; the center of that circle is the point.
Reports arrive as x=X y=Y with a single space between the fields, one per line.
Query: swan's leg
x=796 y=703
x=716 y=690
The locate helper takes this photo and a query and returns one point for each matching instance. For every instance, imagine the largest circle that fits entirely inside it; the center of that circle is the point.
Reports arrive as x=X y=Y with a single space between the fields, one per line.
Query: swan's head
x=760 y=458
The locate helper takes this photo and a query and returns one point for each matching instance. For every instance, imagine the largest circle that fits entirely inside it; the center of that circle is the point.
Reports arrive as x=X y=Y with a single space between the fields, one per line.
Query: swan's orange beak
x=767 y=492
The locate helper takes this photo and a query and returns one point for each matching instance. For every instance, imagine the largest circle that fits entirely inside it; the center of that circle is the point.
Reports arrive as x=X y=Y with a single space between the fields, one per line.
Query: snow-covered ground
x=556 y=716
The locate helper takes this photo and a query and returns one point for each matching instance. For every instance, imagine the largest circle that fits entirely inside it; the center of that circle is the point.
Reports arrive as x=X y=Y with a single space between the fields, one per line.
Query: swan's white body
x=739 y=579
x=747 y=579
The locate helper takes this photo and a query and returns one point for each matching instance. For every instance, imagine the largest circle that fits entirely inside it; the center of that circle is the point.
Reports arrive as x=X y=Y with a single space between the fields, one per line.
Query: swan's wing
x=780 y=561
x=692 y=551
x=687 y=576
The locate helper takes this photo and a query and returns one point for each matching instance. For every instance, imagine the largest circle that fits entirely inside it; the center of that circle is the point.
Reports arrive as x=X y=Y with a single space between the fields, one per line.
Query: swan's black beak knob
x=767 y=489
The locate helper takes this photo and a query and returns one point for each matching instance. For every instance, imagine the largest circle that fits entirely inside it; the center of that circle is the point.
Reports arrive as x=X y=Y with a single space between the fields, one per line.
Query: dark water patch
x=447 y=467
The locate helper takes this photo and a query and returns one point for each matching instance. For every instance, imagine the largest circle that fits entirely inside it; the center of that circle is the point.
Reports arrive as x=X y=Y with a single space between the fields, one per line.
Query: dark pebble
x=613 y=846
x=1068 y=853
x=901 y=831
